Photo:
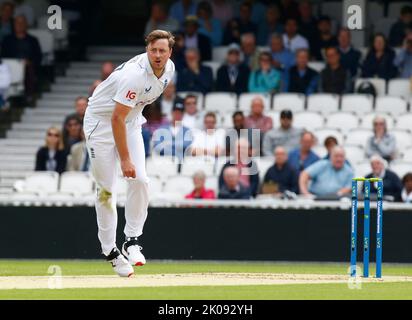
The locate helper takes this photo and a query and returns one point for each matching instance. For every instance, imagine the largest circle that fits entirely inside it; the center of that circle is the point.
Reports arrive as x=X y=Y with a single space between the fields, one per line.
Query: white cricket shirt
x=132 y=84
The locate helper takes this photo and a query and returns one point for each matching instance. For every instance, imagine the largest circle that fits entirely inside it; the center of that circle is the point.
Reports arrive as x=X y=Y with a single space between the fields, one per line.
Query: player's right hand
x=128 y=169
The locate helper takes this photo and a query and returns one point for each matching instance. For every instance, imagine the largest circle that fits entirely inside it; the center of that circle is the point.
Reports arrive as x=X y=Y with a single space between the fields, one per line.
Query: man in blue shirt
x=302 y=157
x=327 y=177
x=283 y=58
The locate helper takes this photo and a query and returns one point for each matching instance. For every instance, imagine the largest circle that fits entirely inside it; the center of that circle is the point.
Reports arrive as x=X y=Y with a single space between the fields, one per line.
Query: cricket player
x=112 y=127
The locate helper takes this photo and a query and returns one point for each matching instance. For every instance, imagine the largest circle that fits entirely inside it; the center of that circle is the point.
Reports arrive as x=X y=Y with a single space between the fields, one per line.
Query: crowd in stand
x=176 y=126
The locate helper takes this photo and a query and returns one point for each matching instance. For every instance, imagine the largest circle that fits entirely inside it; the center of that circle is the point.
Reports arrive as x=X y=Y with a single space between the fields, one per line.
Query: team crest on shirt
x=165 y=85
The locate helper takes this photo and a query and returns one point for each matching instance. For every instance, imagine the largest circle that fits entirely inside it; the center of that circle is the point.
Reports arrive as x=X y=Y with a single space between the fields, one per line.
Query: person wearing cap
x=173 y=139
x=233 y=76
x=286 y=136
x=194 y=39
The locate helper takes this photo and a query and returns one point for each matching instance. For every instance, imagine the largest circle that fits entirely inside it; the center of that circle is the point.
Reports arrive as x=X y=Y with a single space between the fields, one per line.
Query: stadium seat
x=214 y=66
x=308 y=120
x=362 y=168
x=345 y=121
x=179 y=186
x=404 y=121
x=192 y=164
x=354 y=153
x=320 y=150
x=245 y=101
x=41 y=182
x=407 y=155
x=275 y=115
x=199 y=95
x=403 y=138
x=221 y=102
x=219 y=54
x=364 y=52
x=77 y=183
x=292 y=101
x=358 y=137
x=263 y=164
x=16 y=68
x=60 y=36
x=379 y=84
x=317 y=65
x=367 y=120
x=400 y=88
x=391 y=104
x=46 y=41
x=213 y=183
x=358 y=103
x=155 y=186
x=322 y=133
x=227 y=121
x=401 y=167
x=323 y=102
x=162 y=167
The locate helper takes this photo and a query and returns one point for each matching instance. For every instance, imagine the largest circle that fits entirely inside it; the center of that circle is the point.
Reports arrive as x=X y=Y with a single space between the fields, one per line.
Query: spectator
x=51 y=157
x=400 y=28
x=159 y=19
x=247 y=168
x=195 y=77
x=283 y=59
x=392 y=185
x=200 y=191
x=404 y=58
x=196 y=40
x=210 y=141
x=231 y=188
x=349 y=56
x=329 y=143
x=281 y=176
x=233 y=76
x=5 y=81
x=382 y=142
x=302 y=157
x=181 y=9
x=291 y=39
x=239 y=131
x=6 y=20
x=301 y=78
x=235 y=28
x=106 y=70
x=266 y=79
x=334 y=78
x=192 y=117
x=308 y=24
x=174 y=139
x=78 y=158
x=328 y=177
x=209 y=26
x=407 y=188
x=80 y=106
x=26 y=10
x=21 y=45
x=168 y=100
x=178 y=53
x=270 y=25
x=155 y=118
x=379 y=62
x=72 y=132
x=289 y=9
x=222 y=11
x=325 y=38
x=250 y=51
x=286 y=136
x=256 y=119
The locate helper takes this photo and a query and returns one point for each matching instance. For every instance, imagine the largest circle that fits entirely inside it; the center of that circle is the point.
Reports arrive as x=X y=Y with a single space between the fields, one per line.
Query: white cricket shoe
x=119 y=263
x=133 y=252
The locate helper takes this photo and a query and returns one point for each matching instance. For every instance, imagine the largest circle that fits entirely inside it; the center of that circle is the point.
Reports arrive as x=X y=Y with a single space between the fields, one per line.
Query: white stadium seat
x=323 y=102
x=358 y=137
x=227 y=121
x=322 y=133
x=367 y=120
x=162 y=167
x=77 y=183
x=400 y=88
x=155 y=186
x=221 y=102
x=192 y=164
x=308 y=120
x=41 y=182
x=407 y=154
x=214 y=66
x=199 y=95
x=292 y=101
x=219 y=54
x=179 y=185
x=379 y=84
x=358 y=103
x=317 y=65
x=245 y=101
x=362 y=169
x=46 y=41
x=275 y=115
x=404 y=121
x=16 y=68
x=212 y=183
x=403 y=138
x=391 y=104
x=320 y=150
x=263 y=164
x=345 y=121
x=401 y=167
x=354 y=153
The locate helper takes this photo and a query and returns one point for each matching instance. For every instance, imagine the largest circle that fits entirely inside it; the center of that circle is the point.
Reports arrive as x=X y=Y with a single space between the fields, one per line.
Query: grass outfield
x=293 y=291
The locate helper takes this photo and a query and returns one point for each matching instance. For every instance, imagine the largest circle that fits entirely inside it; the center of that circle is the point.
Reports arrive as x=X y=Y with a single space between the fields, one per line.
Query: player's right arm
x=119 y=115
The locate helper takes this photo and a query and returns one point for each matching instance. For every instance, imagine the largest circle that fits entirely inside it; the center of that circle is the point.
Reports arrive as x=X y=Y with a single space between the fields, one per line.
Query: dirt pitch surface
x=191 y=279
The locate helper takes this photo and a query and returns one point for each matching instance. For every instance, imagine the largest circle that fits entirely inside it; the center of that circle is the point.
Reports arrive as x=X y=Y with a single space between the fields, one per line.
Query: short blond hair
x=160 y=34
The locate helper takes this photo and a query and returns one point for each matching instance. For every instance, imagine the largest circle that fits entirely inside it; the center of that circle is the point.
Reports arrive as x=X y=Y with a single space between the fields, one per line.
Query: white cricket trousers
x=104 y=160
